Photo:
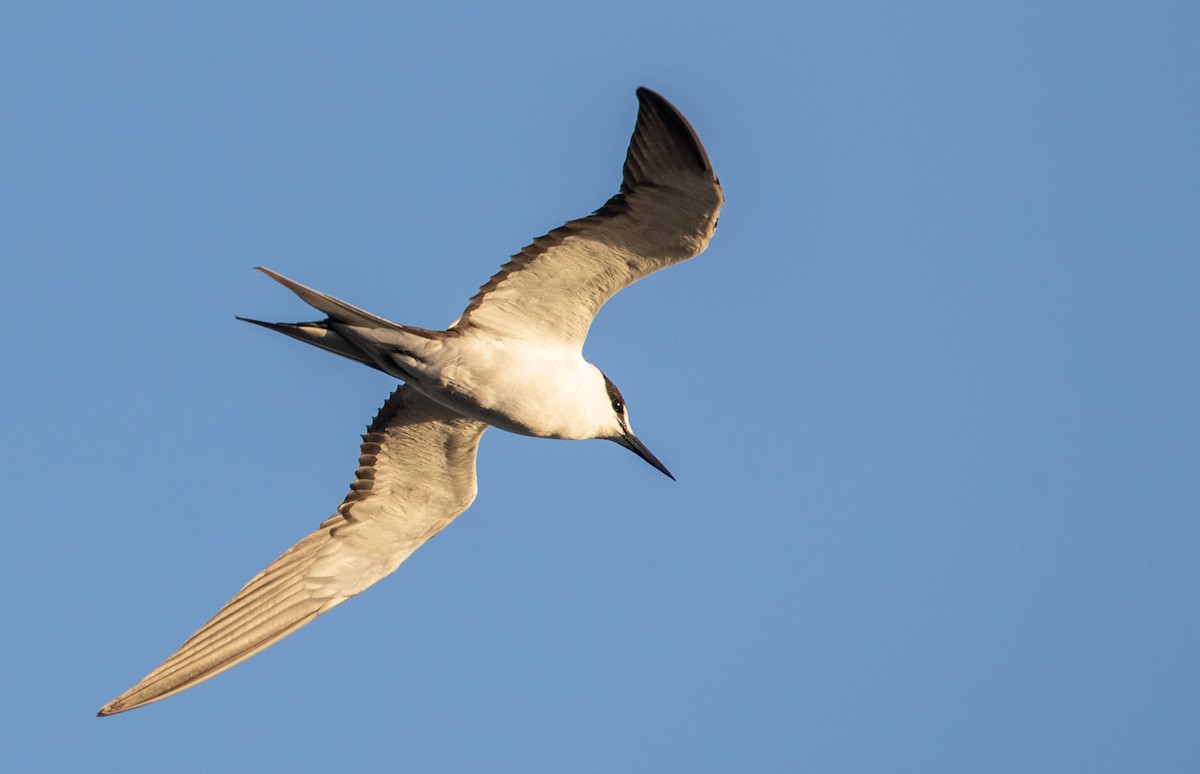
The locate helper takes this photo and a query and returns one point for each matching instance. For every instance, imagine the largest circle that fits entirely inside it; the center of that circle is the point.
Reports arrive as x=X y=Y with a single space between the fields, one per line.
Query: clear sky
x=931 y=394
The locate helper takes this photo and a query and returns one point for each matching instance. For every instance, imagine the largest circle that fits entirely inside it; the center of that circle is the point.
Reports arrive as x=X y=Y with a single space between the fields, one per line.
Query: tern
x=513 y=359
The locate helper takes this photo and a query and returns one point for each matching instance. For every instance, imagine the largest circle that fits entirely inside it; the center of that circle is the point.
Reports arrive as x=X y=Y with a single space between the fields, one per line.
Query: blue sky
x=930 y=395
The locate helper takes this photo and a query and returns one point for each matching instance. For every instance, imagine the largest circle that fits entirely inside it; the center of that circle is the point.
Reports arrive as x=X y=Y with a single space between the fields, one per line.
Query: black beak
x=630 y=441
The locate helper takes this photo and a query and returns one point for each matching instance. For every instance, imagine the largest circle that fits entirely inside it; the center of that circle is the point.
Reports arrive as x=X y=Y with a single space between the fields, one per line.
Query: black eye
x=618 y=405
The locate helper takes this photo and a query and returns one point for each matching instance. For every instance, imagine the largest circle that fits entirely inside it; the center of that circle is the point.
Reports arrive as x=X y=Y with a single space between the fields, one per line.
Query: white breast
x=527 y=387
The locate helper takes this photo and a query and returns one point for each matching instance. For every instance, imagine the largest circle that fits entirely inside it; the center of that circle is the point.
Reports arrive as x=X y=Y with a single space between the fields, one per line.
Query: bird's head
x=617 y=428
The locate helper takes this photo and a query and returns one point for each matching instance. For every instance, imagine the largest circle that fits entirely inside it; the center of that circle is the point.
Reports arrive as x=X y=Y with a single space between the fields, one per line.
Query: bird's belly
x=500 y=415
x=513 y=390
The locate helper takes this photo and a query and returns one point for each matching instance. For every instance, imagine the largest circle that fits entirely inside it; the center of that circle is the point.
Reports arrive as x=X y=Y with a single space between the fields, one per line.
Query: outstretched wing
x=666 y=212
x=416 y=472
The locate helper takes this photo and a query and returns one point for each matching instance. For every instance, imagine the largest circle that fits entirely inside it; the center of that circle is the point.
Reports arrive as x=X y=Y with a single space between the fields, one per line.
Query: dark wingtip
x=110 y=709
x=662 y=139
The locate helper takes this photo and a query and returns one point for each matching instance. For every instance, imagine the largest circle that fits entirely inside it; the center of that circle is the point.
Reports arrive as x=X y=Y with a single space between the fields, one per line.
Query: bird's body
x=524 y=385
x=520 y=386
x=513 y=359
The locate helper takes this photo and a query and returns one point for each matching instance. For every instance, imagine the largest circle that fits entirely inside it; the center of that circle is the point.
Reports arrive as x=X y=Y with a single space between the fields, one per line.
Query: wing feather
x=416 y=473
x=666 y=212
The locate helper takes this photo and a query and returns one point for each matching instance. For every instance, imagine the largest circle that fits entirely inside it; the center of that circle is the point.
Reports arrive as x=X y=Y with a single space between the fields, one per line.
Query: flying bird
x=513 y=359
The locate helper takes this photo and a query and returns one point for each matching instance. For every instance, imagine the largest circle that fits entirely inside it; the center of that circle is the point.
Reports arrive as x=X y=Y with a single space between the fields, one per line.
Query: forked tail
x=347 y=330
